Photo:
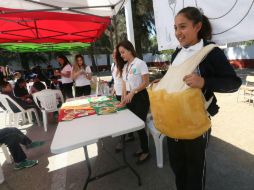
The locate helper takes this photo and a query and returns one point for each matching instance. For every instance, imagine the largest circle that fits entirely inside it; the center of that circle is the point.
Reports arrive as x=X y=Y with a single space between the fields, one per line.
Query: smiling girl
x=213 y=74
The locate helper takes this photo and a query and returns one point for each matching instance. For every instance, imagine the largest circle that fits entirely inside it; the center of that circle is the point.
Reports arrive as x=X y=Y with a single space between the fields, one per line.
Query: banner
x=232 y=20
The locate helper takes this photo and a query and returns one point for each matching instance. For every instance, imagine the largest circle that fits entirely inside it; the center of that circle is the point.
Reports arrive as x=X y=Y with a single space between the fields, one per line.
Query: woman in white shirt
x=116 y=70
x=117 y=87
x=82 y=75
x=65 y=74
x=135 y=80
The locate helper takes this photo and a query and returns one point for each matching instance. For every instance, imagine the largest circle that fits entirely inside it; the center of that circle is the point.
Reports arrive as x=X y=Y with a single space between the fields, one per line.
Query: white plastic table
x=84 y=131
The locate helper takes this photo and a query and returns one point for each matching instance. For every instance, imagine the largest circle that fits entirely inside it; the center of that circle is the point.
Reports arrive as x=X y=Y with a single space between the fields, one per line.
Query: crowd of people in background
x=17 y=86
x=64 y=78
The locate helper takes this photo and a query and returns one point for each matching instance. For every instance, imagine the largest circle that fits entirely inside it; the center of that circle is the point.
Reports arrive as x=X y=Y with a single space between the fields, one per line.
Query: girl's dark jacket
x=218 y=74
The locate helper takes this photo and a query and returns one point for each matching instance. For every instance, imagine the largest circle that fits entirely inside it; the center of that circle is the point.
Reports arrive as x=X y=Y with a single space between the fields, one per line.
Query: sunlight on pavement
x=63 y=160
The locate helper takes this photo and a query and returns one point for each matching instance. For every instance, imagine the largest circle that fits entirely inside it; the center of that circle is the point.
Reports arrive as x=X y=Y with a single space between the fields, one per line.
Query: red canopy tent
x=45 y=27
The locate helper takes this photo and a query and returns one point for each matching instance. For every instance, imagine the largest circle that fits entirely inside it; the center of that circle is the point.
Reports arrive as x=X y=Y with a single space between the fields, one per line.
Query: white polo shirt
x=67 y=68
x=132 y=75
x=186 y=53
x=118 y=81
x=81 y=80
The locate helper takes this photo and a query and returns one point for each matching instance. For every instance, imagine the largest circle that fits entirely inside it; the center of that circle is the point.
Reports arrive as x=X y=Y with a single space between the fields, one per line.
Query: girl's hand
x=123 y=99
x=194 y=81
x=156 y=81
x=62 y=74
x=28 y=100
x=113 y=93
x=57 y=73
x=128 y=98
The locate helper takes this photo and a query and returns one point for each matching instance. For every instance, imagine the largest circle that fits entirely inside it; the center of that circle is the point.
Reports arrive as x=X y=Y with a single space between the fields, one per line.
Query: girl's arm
x=74 y=74
x=66 y=74
x=217 y=74
x=143 y=85
x=89 y=76
x=123 y=91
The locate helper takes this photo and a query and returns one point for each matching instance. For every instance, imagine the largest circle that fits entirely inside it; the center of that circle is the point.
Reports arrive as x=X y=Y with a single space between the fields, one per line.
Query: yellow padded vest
x=180 y=111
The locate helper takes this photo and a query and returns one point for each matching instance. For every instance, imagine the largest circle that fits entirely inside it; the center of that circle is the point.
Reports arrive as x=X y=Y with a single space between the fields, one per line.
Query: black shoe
x=143 y=158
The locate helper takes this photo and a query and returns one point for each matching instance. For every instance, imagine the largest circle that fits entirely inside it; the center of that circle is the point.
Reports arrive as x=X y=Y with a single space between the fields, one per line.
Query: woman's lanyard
x=128 y=71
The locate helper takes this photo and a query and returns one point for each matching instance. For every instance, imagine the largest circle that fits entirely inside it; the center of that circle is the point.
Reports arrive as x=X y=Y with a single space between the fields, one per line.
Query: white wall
x=149 y=57
x=241 y=52
x=100 y=59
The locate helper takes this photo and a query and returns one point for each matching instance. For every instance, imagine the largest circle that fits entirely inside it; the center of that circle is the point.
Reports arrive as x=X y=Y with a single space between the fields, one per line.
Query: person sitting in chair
x=13 y=138
x=37 y=86
x=27 y=103
x=56 y=84
x=20 y=89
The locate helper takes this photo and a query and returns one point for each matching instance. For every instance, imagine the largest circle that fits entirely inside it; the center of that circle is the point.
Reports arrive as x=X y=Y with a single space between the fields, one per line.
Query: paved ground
x=230 y=158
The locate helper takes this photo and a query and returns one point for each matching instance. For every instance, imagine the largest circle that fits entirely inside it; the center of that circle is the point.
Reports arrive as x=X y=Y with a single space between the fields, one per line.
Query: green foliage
x=35 y=58
x=6 y=57
x=167 y=53
x=104 y=44
x=247 y=43
x=144 y=29
x=143 y=21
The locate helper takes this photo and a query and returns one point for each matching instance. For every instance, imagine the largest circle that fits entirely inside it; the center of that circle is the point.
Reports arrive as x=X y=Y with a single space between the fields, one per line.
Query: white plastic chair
x=1 y=175
x=7 y=155
x=247 y=90
x=30 y=84
x=48 y=102
x=17 y=116
x=158 y=141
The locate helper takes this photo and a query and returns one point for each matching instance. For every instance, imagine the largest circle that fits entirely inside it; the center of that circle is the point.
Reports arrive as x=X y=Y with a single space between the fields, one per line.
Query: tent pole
x=93 y=59
x=115 y=29
x=129 y=22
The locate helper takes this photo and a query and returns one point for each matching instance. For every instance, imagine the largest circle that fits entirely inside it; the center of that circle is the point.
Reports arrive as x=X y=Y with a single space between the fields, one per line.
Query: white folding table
x=84 y=131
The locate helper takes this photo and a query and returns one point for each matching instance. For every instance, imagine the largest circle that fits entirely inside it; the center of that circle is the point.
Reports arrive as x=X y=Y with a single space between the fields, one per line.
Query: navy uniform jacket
x=218 y=74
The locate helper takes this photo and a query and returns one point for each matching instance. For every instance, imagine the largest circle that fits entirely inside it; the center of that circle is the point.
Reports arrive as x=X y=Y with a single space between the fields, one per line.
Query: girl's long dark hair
x=120 y=62
x=66 y=61
x=194 y=14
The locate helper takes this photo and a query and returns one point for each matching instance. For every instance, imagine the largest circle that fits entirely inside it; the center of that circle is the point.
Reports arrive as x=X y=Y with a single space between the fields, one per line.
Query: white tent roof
x=95 y=7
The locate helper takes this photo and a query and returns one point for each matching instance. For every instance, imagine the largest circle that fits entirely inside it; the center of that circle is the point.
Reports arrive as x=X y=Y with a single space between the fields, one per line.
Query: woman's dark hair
x=194 y=14
x=120 y=62
x=39 y=86
x=20 y=80
x=64 y=58
x=3 y=84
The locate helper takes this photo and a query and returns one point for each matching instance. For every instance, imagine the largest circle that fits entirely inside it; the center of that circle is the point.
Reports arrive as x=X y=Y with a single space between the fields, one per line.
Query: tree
x=36 y=58
x=246 y=43
x=143 y=21
x=144 y=28
x=6 y=57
